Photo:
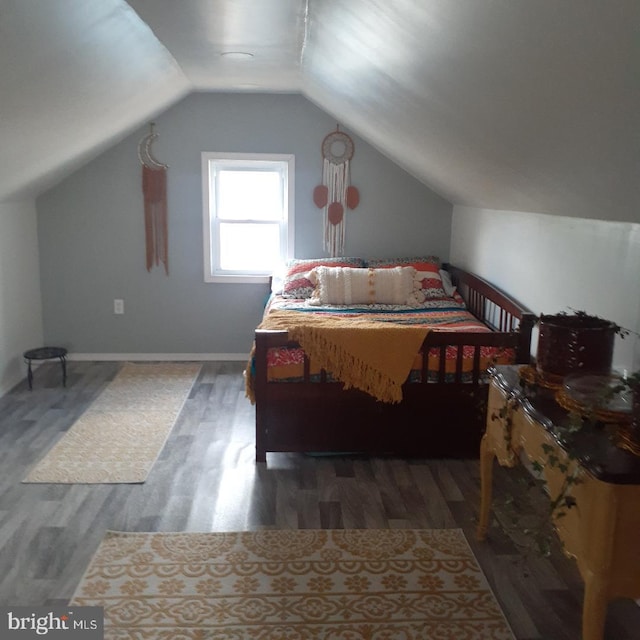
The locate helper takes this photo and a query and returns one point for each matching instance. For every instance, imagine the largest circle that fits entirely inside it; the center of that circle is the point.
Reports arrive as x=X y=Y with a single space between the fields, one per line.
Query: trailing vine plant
x=588 y=317
x=540 y=531
x=504 y=414
x=560 y=505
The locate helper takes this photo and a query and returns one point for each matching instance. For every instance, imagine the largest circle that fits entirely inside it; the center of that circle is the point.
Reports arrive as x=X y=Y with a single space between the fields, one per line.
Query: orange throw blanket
x=375 y=357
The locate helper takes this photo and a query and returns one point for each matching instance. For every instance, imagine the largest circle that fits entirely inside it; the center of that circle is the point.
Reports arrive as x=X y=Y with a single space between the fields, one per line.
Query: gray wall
x=20 y=306
x=554 y=264
x=91 y=229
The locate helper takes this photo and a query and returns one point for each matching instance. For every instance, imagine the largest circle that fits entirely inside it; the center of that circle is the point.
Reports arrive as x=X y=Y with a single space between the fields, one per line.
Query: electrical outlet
x=118 y=306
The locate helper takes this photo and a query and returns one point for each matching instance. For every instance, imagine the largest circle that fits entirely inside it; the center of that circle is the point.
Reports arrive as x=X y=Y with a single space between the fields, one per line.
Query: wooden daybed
x=439 y=418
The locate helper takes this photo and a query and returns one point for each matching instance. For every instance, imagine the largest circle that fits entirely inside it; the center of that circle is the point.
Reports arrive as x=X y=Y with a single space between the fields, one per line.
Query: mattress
x=286 y=364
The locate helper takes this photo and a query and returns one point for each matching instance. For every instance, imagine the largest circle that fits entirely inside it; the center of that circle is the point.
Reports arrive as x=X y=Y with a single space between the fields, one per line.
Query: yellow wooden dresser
x=602 y=528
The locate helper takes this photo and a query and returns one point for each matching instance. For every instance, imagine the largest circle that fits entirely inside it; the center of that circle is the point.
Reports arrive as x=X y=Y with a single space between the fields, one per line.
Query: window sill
x=238 y=279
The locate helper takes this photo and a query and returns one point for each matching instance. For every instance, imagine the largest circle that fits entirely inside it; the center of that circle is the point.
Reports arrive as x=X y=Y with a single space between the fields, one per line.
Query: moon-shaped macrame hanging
x=336 y=194
x=154 y=189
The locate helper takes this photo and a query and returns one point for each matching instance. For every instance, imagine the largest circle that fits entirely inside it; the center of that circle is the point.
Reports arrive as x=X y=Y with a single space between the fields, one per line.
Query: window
x=248 y=215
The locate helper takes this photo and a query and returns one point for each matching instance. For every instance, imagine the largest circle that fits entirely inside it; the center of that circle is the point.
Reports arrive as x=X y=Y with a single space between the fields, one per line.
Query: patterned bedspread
x=446 y=314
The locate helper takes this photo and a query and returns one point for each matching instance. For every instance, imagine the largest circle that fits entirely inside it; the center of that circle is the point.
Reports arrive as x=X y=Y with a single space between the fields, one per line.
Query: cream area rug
x=358 y=584
x=119 y=437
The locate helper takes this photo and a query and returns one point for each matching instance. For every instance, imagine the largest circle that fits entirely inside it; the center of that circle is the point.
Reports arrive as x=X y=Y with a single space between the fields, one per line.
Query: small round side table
x=46 y=353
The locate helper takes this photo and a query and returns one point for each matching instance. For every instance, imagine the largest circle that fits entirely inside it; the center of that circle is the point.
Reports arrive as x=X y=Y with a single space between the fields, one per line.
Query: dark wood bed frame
x=434 y=420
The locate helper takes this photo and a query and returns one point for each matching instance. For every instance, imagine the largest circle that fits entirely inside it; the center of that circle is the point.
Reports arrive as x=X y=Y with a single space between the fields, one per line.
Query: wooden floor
x=206 y=480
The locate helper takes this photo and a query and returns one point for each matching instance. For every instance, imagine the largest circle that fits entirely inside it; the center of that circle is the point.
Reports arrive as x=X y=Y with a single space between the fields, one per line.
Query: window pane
x=249 y=195
x=248 y=214
x=249 y=247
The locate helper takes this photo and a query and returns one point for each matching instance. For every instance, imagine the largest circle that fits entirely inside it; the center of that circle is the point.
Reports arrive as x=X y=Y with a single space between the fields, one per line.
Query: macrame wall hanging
x=336 y=194
x=154 y=189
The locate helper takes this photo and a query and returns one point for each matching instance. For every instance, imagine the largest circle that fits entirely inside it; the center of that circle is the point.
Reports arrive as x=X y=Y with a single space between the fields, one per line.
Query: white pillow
x=347 y=285
x=277 y=279
x=447 y=285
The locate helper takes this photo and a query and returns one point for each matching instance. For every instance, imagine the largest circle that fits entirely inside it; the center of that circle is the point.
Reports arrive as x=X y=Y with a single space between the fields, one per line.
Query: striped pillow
x=296 y=282
x=378 y=263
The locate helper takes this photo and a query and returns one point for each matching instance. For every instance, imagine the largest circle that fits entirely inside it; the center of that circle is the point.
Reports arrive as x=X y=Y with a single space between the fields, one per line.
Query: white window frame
x=212 y=270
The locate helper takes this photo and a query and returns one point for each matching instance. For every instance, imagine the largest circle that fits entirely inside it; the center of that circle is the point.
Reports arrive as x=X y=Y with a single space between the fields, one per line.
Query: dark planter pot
x=572 y=344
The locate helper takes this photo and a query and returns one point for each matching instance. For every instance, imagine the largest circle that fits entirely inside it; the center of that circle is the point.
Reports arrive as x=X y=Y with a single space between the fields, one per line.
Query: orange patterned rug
x=354 y=584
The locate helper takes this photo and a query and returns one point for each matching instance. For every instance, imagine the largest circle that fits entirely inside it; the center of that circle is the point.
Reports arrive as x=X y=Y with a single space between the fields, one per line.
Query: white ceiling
x=530 y=105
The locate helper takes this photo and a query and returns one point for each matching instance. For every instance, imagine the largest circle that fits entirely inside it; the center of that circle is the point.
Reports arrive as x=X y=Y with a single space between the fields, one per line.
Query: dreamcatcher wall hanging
x=336 y=194
x=154 y=189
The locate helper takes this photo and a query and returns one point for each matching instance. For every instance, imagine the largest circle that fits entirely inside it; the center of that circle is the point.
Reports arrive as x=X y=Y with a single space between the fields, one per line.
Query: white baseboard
x=161 y=357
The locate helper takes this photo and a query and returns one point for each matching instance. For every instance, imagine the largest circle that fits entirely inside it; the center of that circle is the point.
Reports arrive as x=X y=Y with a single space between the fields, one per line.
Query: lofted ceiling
x=504 y=104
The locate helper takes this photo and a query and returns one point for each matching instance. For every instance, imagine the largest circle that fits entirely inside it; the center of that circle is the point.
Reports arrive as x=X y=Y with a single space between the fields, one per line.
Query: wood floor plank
x=206 y=480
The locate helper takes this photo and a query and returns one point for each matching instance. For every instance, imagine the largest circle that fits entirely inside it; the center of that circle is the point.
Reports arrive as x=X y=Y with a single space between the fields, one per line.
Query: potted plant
x=572 y=343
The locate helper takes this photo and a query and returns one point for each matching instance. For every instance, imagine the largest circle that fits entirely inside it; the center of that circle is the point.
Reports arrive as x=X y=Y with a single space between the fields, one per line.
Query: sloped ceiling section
x=75 y=75
x=206 y=36
x=505 y=104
